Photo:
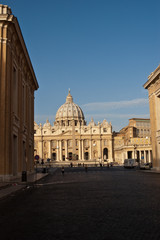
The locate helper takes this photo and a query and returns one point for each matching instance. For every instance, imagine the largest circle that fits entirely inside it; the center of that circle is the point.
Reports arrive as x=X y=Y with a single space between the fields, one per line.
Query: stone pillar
x=99 y=148
x=60 y=151
x=125 y=155
x=145 y=156
x=80 y=151
x=111 y=151
x=41 y=148
x=66 y=149
x=90 y=149
x=57 y=149
x=133 y=154
x=149 y=155
x=140 y=155
x=49 y=150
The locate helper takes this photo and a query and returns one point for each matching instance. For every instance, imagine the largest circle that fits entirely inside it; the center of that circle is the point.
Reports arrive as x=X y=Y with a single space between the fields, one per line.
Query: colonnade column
x=135 y=154
x=149 y=155
x=140 y=155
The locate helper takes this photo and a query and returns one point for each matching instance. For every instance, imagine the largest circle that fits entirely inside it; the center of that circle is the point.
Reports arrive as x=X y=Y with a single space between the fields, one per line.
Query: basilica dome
x=68 y=112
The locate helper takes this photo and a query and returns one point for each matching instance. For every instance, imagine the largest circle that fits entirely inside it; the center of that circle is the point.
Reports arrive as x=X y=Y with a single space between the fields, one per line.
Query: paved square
x=98 y=204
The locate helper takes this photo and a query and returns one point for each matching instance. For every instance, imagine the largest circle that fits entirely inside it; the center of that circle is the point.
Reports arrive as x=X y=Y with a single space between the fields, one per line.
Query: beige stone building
x=17 y=86
x=153 y=86
x=134 y=141
x=71 y=138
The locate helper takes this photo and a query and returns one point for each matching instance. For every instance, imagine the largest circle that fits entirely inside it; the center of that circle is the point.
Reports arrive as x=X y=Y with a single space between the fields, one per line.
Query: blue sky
x=102 y=50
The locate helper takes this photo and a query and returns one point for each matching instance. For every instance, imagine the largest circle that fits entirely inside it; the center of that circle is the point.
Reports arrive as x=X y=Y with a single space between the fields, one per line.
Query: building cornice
x=8 y=19
x=152 y=77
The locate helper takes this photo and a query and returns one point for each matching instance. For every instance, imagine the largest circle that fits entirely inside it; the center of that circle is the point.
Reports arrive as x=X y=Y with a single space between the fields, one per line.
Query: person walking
x=86 y=168
x=62 y=170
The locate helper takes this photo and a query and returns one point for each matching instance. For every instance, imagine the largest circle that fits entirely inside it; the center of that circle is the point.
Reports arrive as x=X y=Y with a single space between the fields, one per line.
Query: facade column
x=80 y=152
x=60 y=151
x=49 y=152
x=149 y=155
x=111 y=151
x=145 y=156
x=140 y=155
x=125 y=156
x=41 y=149
x=90 y=149
x=101 y=144
x=57 y=149
x=135 y=154
x=99 y=148
x=66 y=149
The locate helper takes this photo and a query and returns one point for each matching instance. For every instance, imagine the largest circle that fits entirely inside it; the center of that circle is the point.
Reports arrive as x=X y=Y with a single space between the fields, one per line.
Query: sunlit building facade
x=70 y=138
x=17 y=86
x=153 y=87
x=134 y=141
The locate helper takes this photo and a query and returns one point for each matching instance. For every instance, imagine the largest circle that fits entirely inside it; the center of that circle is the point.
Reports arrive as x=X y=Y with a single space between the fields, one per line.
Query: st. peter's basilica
x=70 y=138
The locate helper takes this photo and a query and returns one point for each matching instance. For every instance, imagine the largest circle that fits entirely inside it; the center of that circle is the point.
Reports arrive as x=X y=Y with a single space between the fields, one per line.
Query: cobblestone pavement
x=100 y=204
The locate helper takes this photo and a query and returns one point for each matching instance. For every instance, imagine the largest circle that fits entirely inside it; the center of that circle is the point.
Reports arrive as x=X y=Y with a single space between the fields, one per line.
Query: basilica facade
x=70 y=138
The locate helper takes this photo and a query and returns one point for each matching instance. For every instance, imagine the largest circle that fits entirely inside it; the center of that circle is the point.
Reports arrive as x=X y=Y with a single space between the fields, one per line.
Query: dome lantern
x=69 y=98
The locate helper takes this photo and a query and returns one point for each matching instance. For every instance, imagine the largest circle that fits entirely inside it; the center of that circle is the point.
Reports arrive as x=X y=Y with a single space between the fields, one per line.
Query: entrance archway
x=86 y=155
x=70 y=155
x=54 y=156
x=105 y=153
x=129 y=153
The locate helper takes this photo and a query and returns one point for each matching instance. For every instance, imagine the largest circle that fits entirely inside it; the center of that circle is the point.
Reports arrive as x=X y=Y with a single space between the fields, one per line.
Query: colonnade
x=144 y=156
